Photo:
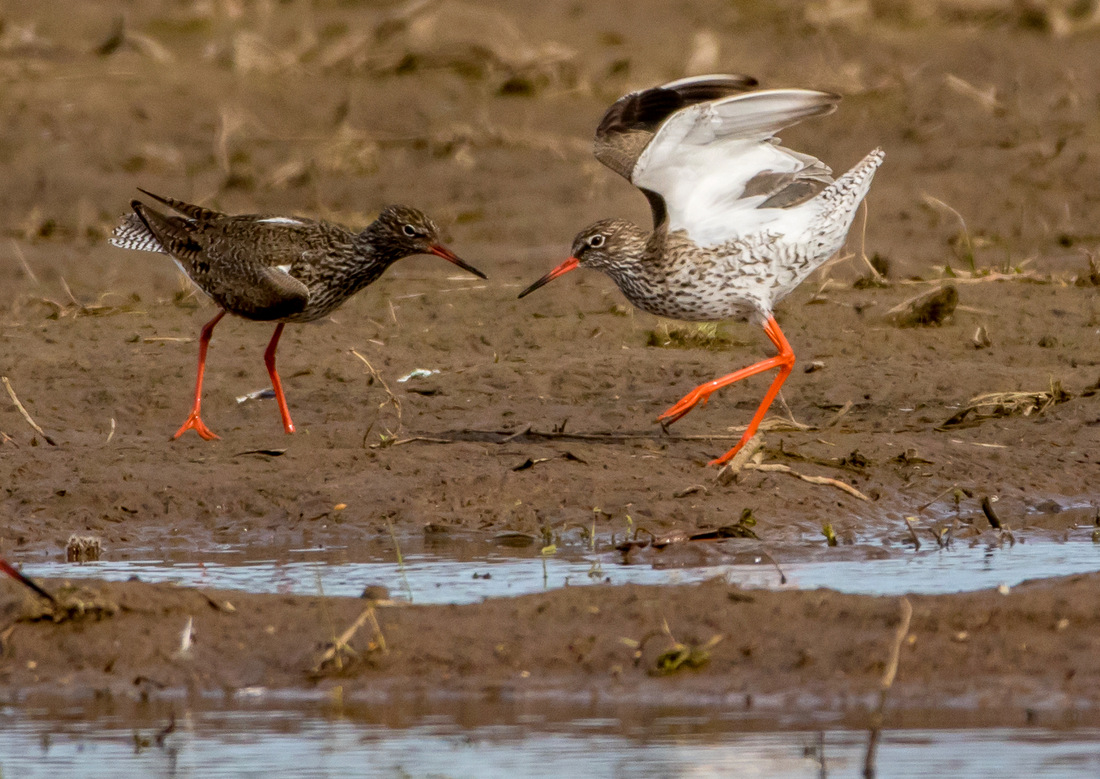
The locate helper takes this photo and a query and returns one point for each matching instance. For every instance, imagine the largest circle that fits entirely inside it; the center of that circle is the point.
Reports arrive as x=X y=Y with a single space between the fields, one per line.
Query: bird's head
x=406 y=231
x=606 y=245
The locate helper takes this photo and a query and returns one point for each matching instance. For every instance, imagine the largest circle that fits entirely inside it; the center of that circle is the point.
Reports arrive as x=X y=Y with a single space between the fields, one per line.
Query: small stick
x=69 y=292
x=948 y=491
x=510 y=435
x=990 y=514
x=515 y=435
x=913 y=533
x=740 y=460
x=863 y=245
x=780 y=468
x=884 y=690
x=414 y=439
x=840 y=414
x=112 y=433
x=385 y=386
x=782 y=576
x=23 y=260
x=342 y=641
x=400 y=559
x=993 y=276
x=23 y=411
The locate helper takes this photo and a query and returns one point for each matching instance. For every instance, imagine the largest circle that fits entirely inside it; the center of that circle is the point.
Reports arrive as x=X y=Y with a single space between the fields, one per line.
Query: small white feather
x=280 y=220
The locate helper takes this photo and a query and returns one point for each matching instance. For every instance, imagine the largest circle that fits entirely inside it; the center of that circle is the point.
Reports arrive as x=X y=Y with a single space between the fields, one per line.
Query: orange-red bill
x=561 y=270
x=449 y=256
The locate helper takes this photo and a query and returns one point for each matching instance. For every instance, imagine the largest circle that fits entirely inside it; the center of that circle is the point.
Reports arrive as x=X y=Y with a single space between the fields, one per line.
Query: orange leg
x=784 y=361
x=276 y=384
x=194 y=422
x=10 y=570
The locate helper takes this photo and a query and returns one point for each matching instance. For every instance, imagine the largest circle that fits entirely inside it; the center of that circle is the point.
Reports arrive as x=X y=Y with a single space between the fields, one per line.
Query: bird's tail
x=844 y=195
x=132 y=233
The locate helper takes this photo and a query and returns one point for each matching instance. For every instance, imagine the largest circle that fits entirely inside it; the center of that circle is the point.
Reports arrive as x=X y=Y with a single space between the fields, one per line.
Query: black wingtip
x=158 y=198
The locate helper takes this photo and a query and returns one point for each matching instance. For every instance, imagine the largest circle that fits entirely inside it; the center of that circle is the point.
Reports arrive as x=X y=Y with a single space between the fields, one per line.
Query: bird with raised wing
x=274 y=268
x=738 y=220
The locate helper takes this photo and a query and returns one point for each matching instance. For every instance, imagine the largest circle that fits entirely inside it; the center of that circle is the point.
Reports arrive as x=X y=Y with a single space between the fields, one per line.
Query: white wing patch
x=284 y=268
x=702 y=158
x=280 y=220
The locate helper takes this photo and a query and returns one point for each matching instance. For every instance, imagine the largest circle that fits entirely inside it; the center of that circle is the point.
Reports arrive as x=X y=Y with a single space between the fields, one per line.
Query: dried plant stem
x=912 y=533
x=884 y=689
x=23 y=411
x=23 y=261
x=341 y=642
x=400 y=559
x=780 y=468
x=378 y=377
x=863 y=246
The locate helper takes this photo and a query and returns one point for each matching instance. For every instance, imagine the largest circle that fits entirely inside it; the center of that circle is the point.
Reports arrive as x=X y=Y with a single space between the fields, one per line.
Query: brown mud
x=990 y=123
x=1015 y=659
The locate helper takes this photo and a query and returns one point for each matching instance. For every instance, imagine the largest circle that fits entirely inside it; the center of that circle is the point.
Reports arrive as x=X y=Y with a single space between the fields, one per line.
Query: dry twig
x=780 y=468
x=378 y=377
x=23 y=261
x=887 y=682
x=913 y=533
x=1006 y=404
x=23 y=411
x=341 y=643
x=928 y=308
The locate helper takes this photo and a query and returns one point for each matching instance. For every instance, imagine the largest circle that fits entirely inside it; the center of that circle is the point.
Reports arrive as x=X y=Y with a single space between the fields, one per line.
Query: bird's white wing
x=720 y=170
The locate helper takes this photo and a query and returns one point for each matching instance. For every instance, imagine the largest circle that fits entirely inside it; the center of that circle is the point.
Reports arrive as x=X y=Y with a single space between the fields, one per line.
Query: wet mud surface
x=1016 y=658
x=537 y=416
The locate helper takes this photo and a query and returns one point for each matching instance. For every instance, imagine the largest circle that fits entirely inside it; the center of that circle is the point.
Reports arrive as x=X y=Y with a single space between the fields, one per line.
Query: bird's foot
x=686 y=404
x=194 y=422
x=728 y=455
x=746 y=439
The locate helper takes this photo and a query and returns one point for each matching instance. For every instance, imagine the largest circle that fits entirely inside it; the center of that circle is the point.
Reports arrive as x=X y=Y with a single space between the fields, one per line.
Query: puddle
x=468 y=573
x=257 y=743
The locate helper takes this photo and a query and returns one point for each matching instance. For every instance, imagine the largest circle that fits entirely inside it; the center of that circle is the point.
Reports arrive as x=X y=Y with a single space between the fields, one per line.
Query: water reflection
x=643 y=743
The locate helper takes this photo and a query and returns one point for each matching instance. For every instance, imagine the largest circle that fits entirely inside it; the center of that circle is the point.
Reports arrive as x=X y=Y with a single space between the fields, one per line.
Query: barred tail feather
x=132 y=233
x=848 y=191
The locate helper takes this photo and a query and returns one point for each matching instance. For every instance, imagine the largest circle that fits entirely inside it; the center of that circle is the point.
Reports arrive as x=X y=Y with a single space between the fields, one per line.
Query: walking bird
x=274 y=268
x=738 y=220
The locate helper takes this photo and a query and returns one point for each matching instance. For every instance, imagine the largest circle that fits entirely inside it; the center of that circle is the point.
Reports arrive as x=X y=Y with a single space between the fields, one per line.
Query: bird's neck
x=636 y=269
x=367 y=259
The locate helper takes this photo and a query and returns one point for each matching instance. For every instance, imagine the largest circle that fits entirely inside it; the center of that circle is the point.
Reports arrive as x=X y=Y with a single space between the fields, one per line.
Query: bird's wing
x=189 y=210
x=133 y=232
x=248 y=278
x=718 y=166
x=632 y=120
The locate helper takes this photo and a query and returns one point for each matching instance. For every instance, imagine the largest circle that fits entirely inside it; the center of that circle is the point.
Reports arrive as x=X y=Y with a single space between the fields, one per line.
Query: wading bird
x=275 y=268
x=738 y=220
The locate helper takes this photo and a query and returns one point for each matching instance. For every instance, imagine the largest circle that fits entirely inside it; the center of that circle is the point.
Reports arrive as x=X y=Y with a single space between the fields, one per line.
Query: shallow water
x=245 y=742
x=467 y=573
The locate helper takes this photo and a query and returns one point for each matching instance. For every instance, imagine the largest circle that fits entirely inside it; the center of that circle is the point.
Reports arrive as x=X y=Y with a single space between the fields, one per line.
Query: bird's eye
x=596 y=241
x=409 y=230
